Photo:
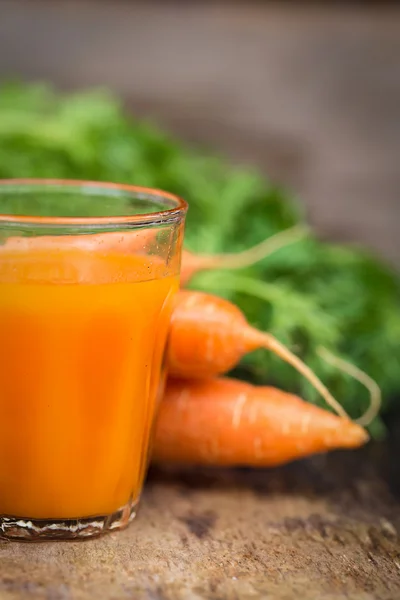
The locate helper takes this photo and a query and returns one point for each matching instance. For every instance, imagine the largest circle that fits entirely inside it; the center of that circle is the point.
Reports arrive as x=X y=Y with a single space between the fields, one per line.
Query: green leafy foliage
x=308 y=295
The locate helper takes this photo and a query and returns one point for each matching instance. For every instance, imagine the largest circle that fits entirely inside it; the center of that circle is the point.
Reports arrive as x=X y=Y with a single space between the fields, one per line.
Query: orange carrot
x=230 y=422
x=137 y=241
x=209 y=335
x=194 y=263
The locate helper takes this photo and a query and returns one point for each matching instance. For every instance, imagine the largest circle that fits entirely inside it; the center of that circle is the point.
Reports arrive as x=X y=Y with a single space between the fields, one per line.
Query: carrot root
x=228 y=422
x=209 y=336
x=193 y=263
x=270 y=343
x=371 y=385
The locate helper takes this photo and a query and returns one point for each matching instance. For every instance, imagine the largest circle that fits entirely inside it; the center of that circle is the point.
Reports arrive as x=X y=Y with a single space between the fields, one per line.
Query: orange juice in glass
x=88 y=273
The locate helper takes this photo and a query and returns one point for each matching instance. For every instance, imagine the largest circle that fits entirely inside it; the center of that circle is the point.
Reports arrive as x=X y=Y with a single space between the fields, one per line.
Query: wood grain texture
x=325 y=528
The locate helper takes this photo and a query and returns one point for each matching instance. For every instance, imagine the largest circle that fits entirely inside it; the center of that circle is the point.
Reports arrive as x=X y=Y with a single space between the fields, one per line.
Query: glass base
x=35 y=530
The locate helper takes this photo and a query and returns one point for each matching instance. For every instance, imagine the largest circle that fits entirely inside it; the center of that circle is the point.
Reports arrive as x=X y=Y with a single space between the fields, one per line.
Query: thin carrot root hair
x=193 y=263
x=252 y=255
x=271 y=343
x=371 y=385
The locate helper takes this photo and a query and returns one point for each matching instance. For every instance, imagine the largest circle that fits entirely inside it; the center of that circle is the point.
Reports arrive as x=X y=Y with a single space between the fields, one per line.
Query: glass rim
x=154 y=217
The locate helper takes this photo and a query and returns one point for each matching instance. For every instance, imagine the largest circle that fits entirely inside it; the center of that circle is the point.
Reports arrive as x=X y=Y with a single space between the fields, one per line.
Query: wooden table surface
x=311 y=95
x=323 y=529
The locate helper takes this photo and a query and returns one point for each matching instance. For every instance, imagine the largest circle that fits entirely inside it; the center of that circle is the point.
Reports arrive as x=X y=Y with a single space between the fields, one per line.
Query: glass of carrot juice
x=88 y=273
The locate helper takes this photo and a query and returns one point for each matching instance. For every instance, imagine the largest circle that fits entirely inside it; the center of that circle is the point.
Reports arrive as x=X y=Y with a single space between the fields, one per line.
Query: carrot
x=229 y=422
x=209 y=335
x=136 y=241
x=194 y=263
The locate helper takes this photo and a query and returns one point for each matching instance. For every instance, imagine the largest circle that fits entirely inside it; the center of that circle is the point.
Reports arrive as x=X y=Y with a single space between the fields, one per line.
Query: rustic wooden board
x=325 y=529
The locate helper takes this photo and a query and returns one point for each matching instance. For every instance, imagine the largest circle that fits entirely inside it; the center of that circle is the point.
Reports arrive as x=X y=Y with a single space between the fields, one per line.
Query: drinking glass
x=88 y=273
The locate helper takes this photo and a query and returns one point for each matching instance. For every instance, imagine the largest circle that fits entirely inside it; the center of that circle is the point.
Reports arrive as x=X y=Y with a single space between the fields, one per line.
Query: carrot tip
x=353 y=436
